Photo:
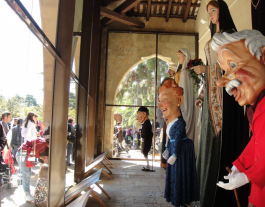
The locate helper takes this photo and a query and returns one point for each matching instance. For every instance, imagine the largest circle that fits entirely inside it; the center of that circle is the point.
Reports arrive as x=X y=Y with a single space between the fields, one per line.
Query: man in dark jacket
x=16 y=139
x=146 y=133
x=2 y=146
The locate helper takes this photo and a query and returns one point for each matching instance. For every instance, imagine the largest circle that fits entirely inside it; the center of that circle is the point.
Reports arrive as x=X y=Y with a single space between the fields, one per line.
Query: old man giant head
x=242 y=56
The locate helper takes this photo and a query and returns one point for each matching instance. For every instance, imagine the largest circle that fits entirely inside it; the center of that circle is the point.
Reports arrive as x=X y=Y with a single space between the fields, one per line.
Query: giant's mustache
x=232 y=84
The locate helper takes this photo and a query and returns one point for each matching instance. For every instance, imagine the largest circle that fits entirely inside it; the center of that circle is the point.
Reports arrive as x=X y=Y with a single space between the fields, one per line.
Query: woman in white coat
x=29 y=132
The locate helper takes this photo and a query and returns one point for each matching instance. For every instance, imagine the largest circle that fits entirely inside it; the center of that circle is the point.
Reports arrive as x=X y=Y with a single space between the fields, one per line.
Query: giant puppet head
x=219 y=14
x=170 y=98
x=142 y=114
x=242 y=56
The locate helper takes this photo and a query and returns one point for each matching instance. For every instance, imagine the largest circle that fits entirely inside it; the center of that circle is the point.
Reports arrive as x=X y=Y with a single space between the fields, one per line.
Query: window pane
x=71 y=137
x=127 y=144
x=168 y=46
x=26 y=91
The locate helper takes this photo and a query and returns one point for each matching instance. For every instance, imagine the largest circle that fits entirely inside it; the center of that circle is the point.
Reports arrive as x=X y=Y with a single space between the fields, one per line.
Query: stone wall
x=49 y=11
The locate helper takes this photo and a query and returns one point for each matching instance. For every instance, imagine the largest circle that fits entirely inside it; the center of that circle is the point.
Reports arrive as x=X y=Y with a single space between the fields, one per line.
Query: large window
x=41 y=44
x=26 y=93
x=137 y=63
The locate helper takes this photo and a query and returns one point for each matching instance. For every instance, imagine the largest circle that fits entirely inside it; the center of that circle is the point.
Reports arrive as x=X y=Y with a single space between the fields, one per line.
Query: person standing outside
x=29 y=133
x=6 y=118
x=16 y=140
x=71 y=143
x=146 y=133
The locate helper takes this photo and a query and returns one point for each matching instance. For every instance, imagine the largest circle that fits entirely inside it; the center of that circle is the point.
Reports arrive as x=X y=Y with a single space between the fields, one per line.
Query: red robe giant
x=252 y=160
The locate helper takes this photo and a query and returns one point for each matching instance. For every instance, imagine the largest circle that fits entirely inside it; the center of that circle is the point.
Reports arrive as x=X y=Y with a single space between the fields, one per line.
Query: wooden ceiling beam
x=121 y=18
x=168 y=9
x=148 y=10
x=107 y=2
x=123 y=8
x=158 y=15
x=173 y=4
x=187 y=11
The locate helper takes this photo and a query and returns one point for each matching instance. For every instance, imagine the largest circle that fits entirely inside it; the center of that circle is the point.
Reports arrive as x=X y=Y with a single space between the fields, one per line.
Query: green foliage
x=36 y=109
x=72 y=104
x=72 y=100
x=19 y=108
x=2 y=104
x=138 y=88
x=72 y=113
x=13 y=105
x=30 y=100
x=196 y=78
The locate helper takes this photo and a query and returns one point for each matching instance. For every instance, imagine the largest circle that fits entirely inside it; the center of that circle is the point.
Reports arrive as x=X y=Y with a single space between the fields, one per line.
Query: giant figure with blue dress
x=181 y=178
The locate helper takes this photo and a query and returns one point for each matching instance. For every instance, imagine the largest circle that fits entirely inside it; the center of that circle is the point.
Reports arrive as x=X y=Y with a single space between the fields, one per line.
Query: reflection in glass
x=76 y=55
x=71 y=135
x=26 y=92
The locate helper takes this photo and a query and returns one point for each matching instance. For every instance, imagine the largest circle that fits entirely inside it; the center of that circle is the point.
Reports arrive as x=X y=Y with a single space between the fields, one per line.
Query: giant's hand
x=235 y=181
x=165 y=154
x=234 y=171
x=199 y=69
x=172 y=159
x=198 y=103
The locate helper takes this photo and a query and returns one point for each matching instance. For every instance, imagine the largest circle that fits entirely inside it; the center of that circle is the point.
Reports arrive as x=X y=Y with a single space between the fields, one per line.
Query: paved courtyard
x=132 y=187
x=129 y=186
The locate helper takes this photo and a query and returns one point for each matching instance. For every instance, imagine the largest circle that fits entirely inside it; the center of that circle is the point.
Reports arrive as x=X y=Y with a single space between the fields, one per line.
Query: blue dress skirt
x=181 y=177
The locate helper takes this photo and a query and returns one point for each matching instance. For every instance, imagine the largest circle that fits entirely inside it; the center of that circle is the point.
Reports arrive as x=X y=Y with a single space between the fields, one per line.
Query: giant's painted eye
x=233 y=65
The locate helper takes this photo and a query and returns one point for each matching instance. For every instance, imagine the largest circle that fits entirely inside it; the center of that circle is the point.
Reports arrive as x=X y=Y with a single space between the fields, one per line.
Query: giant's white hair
x=254 y=40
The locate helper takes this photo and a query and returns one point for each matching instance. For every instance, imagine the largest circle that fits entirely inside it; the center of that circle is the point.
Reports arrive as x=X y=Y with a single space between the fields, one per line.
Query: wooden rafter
x=148 y=10
x=168 y=9
x=123 y=8
x=107 y=2
x=187 y=11
x=173 y=4
x=121 y=18
x=159 y=15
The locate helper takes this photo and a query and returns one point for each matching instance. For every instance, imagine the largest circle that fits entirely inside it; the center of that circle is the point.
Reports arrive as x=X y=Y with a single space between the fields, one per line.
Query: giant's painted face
x=181 y=57
x=244 y=74
x=171 y=73
x=141 y=116
x=213 y=14
x=168 y=103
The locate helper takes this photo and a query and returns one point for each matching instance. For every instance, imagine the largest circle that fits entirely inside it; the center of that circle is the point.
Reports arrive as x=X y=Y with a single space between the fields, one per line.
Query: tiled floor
x=130 y=186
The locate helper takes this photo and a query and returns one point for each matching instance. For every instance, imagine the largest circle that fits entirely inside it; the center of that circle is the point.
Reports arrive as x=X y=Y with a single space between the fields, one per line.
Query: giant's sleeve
x=256 y=172
x=253 y=157
x=175 y=132
x=187 y=108
x=245 y=160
